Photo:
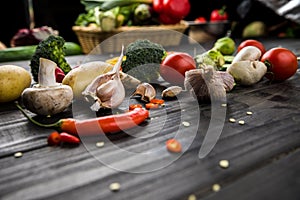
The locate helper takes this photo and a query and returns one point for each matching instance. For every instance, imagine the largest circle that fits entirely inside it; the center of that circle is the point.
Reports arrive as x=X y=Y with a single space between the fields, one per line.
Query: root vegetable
x=247 y=72
x=13 y=80
x=47 y=97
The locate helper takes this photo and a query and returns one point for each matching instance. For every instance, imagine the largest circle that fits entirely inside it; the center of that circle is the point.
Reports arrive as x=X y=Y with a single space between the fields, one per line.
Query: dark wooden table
x=263 y=154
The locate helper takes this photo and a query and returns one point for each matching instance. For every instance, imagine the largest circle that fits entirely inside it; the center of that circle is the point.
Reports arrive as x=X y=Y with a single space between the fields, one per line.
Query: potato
x=79 y=78
x=13 y=80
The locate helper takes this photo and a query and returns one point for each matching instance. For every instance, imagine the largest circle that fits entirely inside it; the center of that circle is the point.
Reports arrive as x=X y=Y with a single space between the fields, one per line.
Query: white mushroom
x=47 y=97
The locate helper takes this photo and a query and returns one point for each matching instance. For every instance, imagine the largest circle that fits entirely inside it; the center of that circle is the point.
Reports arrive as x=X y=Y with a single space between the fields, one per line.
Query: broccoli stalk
x=142 y=60
x=51 y=48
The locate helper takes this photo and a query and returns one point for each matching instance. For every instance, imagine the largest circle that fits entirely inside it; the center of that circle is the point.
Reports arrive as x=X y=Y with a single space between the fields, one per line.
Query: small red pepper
x=157 y=101
x=54 y=139
x=151 y=106
x=59 y=75
x=219 y=15
x=68 y=138
x=133 y=106
x=106 y=124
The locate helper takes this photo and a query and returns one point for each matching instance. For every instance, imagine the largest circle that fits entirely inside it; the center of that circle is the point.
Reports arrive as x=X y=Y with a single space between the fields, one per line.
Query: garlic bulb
x=206 y=84
x=146 y=91
x=107 y=89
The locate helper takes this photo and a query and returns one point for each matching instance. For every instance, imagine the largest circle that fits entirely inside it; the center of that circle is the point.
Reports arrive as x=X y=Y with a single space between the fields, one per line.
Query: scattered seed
x=186 y=124
x=232 y=120
x=224 y=105
x=18 y=154
x=115 y=187
x=249 y=113
x=216 y=187
x=192 y=197
x=224 y=163
x=241 y=122
x=99 y=144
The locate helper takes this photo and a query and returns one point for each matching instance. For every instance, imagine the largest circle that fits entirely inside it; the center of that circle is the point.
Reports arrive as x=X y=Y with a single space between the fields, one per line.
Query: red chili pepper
x=219 y=15
x=106 y=124
x=157 y=101
x=59 y=75
x=68 y=138
x=151 y=106
x=54 y=139
x=133 y=106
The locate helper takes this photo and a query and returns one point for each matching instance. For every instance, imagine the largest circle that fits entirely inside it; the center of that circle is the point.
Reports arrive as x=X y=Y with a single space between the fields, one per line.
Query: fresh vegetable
x=26 y=52
x=59 y=75
x=68 y=138
x=151 y=106
x=171 y=11
x=171 y=92
x=142 y=59
x=54 y=139
x=281 y=62
x=133 y=106
x=255 y=29
x=200 y=20
x=105 y=125
x=157 y=101
x=142 y=14
x=146 y=91
x=219 y=15
x=250 y=53
x=173 y=145
x=47 y=97
x=25 y=37
x=211 y=57
x=51 y=48
x=106 y=90
x=80 y=77
x=247 y=72
x=174 y=66
x=251 y=42
x=13 y=80
x=225 y=45
x=108 y=21
x=206 y=84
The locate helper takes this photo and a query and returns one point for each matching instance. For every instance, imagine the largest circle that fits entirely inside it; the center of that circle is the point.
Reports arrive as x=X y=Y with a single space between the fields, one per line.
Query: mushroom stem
x=46 y=76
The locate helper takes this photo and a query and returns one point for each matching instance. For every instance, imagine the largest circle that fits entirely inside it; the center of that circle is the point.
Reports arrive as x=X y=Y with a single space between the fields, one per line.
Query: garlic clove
x=146 y=91
x=171 y=91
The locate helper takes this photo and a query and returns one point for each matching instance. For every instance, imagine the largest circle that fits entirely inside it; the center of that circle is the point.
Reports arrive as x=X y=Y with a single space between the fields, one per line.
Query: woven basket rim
x=182 y=26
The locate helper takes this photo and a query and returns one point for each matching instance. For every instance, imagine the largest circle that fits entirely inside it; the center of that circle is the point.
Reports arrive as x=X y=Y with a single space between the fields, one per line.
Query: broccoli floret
x=142 y=59
x=51 y=48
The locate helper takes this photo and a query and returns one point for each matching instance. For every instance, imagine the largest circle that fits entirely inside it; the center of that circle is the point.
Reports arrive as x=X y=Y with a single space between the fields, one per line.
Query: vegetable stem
x=54 y=125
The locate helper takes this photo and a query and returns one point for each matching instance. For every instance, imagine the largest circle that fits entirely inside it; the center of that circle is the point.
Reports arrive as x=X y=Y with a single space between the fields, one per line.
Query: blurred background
x=260 y=18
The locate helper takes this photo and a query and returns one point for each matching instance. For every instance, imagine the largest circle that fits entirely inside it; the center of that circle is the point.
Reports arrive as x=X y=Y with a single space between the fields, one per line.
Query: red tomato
x=200 y=20
x=252 y=43
x=218 y=15
x=281 y=62
x=174 y=66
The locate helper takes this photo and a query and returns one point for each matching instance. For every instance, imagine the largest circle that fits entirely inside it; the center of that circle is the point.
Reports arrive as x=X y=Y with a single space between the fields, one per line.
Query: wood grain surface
x=263 y=154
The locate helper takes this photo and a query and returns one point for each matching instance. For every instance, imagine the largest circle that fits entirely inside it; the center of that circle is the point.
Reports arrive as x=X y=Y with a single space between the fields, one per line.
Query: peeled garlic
x=171 y=91
x=107 y=89
x=146 y=91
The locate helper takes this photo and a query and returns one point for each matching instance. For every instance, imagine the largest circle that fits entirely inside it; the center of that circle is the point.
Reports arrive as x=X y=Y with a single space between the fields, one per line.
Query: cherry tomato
x=174 y=66
x=173 y=145
x=281 y=62
x=251 y=42
x=200 y=20
x=218 y=15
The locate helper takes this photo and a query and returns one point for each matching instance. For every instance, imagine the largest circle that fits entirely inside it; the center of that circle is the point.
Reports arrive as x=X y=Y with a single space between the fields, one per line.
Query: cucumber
x=26 y=52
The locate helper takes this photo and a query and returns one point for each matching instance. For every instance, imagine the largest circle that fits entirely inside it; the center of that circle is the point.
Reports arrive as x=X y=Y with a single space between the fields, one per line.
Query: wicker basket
x=90 y=37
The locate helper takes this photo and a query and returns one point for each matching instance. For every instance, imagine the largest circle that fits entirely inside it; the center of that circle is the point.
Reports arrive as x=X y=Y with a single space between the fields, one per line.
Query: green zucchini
x=26 y=52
